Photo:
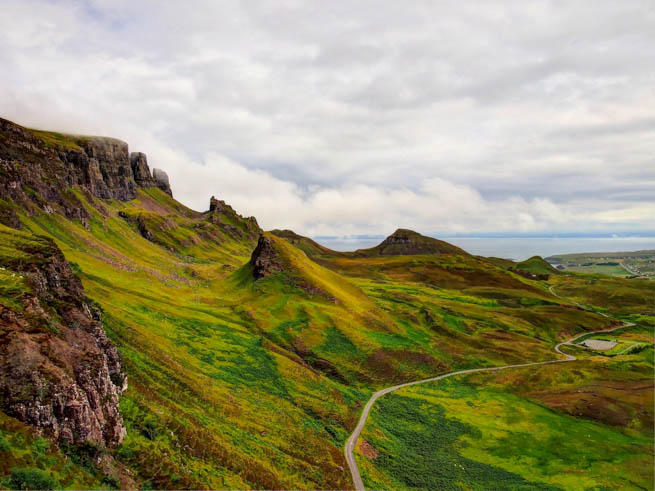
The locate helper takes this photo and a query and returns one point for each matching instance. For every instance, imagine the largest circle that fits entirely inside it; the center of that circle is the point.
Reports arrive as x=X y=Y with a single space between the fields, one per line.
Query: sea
x=515 y=248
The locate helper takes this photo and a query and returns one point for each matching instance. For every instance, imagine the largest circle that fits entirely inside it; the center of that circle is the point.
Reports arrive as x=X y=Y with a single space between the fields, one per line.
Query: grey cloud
x=542 y=105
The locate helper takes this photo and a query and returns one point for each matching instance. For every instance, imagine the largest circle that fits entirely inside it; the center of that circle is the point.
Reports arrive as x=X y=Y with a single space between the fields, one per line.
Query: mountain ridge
x=248 y=365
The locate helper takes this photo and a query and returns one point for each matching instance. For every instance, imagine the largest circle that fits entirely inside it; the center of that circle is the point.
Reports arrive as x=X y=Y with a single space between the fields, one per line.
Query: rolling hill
x=161 y=347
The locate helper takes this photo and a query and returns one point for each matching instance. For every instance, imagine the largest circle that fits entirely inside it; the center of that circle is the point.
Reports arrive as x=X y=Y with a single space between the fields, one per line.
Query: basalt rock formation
x=222 y=214
x=161 y=181
x=265 y=259
x=37 y=170
x=58 y=370
x=141 y=171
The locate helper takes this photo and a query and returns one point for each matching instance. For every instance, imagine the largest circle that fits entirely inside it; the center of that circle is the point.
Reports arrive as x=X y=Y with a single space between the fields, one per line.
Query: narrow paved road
x=352 y=440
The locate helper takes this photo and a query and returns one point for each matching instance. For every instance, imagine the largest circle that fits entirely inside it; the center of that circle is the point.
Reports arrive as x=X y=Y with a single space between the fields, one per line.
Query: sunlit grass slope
x=535 y=265
x=210 y=403
x=465 y=434
x=237 y=383
x=581 y=425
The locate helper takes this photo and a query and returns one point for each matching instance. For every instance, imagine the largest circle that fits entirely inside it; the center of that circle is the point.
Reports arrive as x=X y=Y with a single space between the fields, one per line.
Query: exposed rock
x=214 y=204
x=140 y=225
x=368 y=450
x=37 y=169
x=141 y=171
x=110 y=157
x=265 y=259
x=220 y=213
x=161 y=180
x=32 y=176
x=58 y=370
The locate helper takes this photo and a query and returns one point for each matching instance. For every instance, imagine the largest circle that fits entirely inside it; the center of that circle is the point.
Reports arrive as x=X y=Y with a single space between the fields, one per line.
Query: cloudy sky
x=358 y=117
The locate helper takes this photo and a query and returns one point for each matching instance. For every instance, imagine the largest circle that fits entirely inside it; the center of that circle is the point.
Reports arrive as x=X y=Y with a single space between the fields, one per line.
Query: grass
x=241 y=384
x=535 y=265
x=458 y=435
x=30 y=461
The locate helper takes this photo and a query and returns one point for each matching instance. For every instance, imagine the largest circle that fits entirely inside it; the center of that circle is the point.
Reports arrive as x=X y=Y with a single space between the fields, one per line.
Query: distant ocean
x=517 y=248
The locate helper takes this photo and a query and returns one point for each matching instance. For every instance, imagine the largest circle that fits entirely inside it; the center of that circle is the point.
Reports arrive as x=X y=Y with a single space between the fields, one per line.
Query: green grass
x=30 y=461
x=535 y=265
x=241 y=384
x=454 y=435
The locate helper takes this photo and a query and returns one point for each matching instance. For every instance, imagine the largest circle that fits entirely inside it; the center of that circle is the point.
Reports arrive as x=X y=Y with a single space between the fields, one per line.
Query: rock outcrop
x=161 y=181
x=222 y=214
x=109 y=169
x=37 y=170
x=34 y=177
x=58 y=370
x=141 y=171
x=215 y=204
x=265 y=259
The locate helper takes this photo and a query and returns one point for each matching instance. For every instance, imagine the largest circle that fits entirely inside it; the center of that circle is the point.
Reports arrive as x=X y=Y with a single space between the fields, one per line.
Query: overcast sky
x=357 y=117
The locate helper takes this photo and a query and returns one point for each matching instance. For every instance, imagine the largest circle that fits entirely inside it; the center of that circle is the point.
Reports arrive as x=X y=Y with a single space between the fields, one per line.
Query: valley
x=222 y=356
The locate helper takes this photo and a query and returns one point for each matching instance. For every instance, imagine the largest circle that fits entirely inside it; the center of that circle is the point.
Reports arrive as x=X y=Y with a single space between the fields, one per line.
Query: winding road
x=352 y=440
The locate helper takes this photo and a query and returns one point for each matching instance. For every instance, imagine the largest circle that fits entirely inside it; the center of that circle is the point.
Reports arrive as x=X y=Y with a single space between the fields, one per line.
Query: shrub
x=4 y=443
x=31 y=478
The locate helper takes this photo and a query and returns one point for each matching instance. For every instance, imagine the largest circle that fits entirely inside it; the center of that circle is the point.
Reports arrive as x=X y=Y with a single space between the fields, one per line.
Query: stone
x=265 y=259
x=59 y=373
x=141 y=171
x=109 y=167
x=99 y=165
x=161 y=180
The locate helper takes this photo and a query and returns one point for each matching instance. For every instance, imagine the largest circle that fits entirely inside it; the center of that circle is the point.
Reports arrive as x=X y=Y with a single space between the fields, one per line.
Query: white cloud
x=358 y=117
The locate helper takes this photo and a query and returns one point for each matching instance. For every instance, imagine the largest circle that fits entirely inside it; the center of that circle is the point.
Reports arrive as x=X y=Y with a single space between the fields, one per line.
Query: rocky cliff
x=223 y=215
x=265 y=259
x=38 y=169
x=58 y=370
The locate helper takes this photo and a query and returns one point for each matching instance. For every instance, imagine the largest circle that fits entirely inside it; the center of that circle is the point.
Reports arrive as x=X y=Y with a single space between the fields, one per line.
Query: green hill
x=407 y=242
x=535 y=265
x=238 y=359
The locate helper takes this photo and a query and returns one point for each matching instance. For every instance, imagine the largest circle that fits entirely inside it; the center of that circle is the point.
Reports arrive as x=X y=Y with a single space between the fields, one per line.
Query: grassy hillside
x=465 y=434
x=584 y=425
x=245 y=382
x=229 y=375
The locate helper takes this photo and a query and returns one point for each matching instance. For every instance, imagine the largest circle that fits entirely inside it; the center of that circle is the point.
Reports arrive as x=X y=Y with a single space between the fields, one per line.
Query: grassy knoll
x=535 y=265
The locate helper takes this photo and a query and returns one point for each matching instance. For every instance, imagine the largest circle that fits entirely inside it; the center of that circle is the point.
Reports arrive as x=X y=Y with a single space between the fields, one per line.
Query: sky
x=359 y=117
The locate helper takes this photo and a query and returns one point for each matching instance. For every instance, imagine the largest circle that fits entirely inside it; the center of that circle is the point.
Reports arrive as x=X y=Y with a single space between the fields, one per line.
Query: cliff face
x=141 y=171
x=37 y=168
x=58 y=370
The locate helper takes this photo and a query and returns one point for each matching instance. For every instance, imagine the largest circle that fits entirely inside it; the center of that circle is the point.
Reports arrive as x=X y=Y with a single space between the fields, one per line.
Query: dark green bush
x=31 y=478
x=4 y=443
